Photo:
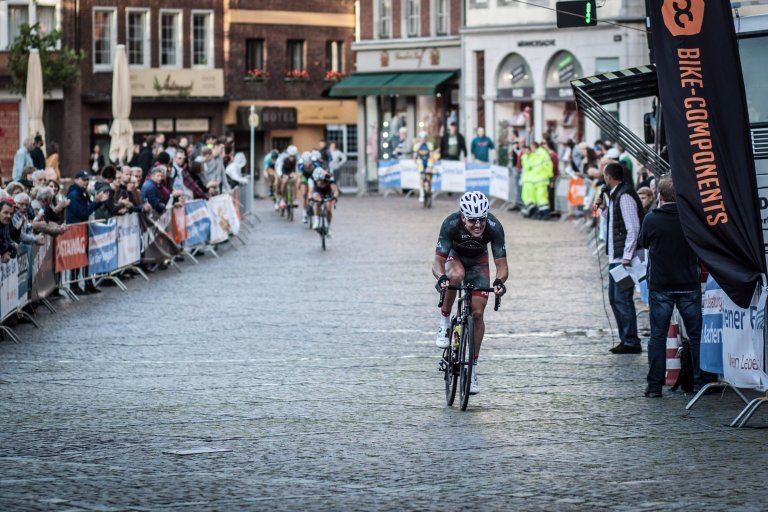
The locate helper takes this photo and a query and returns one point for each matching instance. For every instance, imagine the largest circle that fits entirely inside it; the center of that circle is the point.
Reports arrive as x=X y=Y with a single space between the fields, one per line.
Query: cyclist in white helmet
x=323 y=187
x=461 y=256
x=285 y=165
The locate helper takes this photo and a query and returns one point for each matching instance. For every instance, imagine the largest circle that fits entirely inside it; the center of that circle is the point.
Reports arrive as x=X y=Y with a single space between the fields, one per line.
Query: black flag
x=705 y=117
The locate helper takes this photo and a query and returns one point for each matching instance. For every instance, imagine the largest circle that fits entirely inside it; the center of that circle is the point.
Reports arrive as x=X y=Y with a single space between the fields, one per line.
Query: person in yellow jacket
x=424 y=155
x=528 y=182
x=544 y=171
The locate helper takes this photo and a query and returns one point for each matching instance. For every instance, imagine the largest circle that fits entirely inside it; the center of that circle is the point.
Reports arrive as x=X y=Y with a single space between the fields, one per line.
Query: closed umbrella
x=35 y=94
x=121 y=144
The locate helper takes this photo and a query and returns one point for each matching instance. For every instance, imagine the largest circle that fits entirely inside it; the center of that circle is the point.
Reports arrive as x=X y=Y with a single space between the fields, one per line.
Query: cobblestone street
x=312 y=378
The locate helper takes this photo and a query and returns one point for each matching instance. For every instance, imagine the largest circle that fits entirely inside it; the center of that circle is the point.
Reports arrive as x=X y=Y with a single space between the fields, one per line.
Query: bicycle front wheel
x=466 y=355
x=451 y=376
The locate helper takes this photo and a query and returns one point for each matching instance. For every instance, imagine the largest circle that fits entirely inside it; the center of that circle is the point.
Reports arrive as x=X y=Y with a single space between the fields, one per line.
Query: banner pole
x=252 y=187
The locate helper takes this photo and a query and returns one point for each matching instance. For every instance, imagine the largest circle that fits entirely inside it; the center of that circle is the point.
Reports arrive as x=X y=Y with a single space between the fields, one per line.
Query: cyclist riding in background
x=269 y=168
x=423 y=154
x=461 y=256
x=323 y=187
x=285 y=167
x=306 y=168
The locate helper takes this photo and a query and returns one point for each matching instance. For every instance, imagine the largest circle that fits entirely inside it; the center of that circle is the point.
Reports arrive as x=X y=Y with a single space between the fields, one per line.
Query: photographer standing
x=621 y=206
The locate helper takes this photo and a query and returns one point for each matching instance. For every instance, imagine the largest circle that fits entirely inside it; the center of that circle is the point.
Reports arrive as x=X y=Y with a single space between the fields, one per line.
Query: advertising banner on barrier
x=499 y=182
x=179 y=224
x=409 y=174
x=198 y=223
x=224 y=208
x=478 y=178
x=389 y=173
x=743 y=345
x=452 y=177
x=711 y=356
x=9 y=287
x=72 y=248
x=102 y=247
x=43 y=276
x=156 y=241
x=25 y=273
x=128 y=240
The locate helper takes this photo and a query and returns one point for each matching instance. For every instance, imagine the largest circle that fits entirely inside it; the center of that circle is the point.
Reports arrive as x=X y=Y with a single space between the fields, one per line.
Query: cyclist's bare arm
x=438 y=266
x=502 y=269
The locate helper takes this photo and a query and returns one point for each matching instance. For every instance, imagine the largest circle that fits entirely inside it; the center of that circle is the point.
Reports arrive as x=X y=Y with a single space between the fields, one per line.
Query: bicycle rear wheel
x=451 y=376
x=466 y=355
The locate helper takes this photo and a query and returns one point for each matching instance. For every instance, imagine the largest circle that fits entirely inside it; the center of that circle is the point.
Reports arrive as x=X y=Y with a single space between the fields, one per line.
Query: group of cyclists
x=305 y=176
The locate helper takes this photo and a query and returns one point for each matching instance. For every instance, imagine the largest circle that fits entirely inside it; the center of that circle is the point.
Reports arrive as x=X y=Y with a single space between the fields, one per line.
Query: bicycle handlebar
x=497 y=302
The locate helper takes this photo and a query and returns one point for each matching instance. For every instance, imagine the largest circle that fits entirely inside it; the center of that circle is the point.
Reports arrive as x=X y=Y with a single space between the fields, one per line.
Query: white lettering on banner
x=128 y=240
x=711 y=335
x=9 y=287
x=409 y=174
x=72 y=247
x=743 y=344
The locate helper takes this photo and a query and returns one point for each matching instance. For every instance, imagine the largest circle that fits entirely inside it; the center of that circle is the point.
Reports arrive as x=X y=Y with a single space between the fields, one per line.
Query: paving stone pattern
x=316 y=372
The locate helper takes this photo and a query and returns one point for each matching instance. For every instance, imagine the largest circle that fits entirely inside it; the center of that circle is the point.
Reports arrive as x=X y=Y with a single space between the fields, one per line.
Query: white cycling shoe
x=474 y=387
x=442 y=340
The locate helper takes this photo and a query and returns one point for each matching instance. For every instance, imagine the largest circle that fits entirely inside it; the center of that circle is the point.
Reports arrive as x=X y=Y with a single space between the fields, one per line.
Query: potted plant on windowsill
x=297 y=75
x=257 y=75
x=334 y=76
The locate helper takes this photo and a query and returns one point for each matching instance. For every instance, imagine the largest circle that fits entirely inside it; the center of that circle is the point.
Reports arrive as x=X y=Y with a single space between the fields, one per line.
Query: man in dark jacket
x=452 y=145
x=8 y=247
x=146 y=156
x=38 y=157
x=80 y=205
x=673 y=280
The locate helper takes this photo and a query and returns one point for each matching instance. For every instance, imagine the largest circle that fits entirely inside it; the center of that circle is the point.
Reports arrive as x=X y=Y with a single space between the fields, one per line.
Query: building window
x=46 y=18
x=295 y=55
x=412 y=17
x=17 y=16
x=170 y=39
x=104 y=38
x=254 y=54
x=138 y=37
x=202 y=39
x=441 y=17
x=384 y=24
x=334 y=54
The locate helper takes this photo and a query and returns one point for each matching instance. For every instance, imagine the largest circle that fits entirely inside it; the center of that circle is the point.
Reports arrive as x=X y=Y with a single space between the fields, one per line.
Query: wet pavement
x=282 y=377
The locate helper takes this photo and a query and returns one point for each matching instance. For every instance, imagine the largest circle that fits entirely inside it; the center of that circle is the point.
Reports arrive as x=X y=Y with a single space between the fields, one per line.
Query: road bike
x=289 y=189
x=322 y=228
x=456 y=362
x=427 y=186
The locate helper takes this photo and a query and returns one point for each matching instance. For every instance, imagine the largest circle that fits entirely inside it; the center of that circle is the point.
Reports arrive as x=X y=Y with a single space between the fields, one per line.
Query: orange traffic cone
x=673 y=353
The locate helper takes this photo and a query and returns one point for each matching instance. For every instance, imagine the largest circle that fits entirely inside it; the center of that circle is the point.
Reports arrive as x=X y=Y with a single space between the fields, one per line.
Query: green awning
x=416 y=83
x=361 y=84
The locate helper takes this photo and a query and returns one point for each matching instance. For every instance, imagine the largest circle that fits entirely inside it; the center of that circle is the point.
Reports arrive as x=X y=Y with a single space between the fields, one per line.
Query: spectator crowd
x=161 y=174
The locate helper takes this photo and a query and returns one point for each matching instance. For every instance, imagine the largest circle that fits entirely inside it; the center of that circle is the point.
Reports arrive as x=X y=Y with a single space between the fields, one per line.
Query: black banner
x=705 y=117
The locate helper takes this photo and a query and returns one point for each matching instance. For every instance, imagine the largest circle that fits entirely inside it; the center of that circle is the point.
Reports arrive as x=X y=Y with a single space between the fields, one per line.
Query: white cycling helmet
x=292 y=150
x=319 y=174
x=473 y=205
x=316 y=155
x=306 y=157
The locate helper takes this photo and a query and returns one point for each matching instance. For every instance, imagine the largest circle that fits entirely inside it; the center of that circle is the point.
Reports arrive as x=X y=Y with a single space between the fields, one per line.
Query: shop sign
x=560 y=93
x=164 y=125
x=181 y=83
x=9 y=133
x=409 y=54
x=536 y=44
x=142 y=125
x=516 y=93
x=268 y=118
x=518 y=73
x=193 y=125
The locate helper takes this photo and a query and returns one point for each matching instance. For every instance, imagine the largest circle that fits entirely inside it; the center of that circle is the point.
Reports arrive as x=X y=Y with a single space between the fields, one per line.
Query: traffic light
x=576 y=13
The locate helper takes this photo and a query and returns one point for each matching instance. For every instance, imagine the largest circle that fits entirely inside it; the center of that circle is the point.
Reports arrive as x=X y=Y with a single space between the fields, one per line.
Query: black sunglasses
x=476 y=220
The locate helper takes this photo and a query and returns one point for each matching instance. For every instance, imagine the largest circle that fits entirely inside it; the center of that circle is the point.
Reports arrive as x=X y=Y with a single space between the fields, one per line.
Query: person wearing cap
x=234 y=170
x=80 y=205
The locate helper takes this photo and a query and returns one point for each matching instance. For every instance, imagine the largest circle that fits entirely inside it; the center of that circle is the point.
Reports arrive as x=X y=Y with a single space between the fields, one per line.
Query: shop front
x=177 y=103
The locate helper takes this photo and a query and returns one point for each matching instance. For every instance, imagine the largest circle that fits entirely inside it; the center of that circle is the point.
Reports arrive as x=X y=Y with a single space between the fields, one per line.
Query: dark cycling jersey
x=289 y=165
x=454 y=238
x=323 y=187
